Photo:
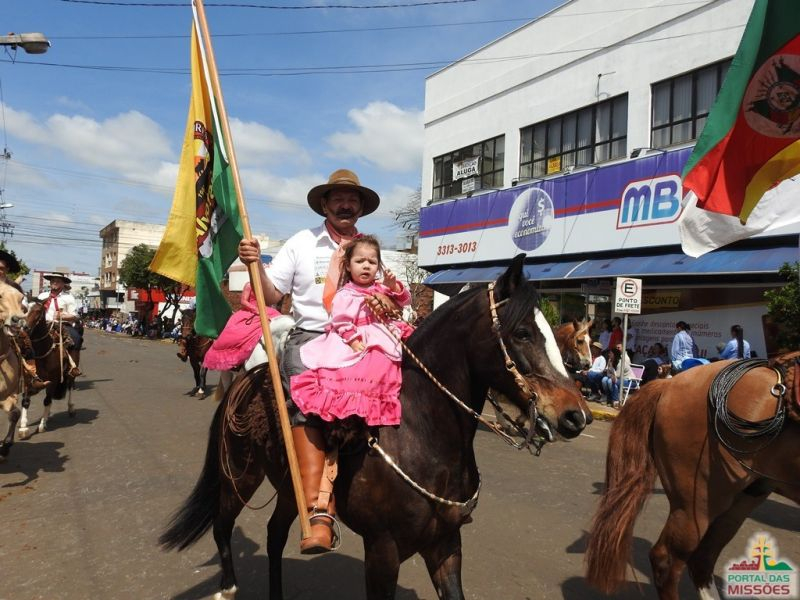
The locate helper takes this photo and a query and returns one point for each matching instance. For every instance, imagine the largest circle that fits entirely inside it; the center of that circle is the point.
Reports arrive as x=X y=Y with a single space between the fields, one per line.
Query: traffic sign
x=628 y=296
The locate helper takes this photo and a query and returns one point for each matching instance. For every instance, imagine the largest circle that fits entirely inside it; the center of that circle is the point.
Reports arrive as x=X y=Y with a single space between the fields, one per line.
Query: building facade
x=118 y=238
x=565 y=140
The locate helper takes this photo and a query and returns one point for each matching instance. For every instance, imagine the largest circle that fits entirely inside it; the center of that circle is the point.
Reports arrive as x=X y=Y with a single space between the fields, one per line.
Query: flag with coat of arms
x=204 y=227
x=751 y=141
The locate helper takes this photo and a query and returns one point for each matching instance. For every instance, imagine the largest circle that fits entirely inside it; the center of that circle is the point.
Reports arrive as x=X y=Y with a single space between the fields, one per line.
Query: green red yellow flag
x=751 y=141
x=204 y=228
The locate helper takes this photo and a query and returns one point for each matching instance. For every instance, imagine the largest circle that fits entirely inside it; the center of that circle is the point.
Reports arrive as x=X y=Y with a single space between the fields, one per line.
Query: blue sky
x=95 y=125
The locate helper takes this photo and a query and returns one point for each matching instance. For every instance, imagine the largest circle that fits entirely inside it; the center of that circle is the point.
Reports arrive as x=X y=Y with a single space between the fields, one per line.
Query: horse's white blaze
x=708 y=593
x=550 y=344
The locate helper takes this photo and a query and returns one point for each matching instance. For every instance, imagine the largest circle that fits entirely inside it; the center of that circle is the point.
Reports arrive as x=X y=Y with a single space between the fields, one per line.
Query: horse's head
x=574 y=343
x=35 y=315
x=12 y=312
x=520 y=359
x=187 y=323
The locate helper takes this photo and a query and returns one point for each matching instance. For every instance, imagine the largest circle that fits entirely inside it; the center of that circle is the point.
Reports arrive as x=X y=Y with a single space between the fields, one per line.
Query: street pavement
x=83 y=504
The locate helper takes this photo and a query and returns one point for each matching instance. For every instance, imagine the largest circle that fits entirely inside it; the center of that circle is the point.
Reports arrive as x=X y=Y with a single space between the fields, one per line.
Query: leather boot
x=310 y=447
x=35 y=384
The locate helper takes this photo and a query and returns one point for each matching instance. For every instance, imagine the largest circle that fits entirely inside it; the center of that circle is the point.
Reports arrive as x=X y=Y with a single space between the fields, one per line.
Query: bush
x=783 y=305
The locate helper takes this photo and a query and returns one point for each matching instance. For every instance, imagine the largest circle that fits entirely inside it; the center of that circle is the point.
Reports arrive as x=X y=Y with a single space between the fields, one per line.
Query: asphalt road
x=82 y=505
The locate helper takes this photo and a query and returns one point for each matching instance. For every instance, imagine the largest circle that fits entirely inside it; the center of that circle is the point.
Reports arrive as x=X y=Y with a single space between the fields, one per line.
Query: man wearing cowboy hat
x=59 y=303
x=307 y=266
x=9 y=264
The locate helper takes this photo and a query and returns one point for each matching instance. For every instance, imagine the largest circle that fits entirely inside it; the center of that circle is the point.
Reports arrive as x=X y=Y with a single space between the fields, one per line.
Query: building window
x=490 y=155
x=681 y=104
x=583 y=137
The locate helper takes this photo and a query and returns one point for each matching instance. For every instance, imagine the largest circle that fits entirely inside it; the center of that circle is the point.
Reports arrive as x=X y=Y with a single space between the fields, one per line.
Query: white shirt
x=599 y=364
x=66 y=304
x=300 y=268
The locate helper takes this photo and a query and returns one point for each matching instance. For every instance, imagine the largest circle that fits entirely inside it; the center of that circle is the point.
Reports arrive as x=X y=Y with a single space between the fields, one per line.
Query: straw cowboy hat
x=12 y=264
x=597 y=345
x=346 y=179
x=57 y=275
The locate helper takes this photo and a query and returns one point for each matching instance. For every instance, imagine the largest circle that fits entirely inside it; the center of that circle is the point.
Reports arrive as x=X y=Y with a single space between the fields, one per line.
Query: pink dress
x=239 y=337
x=341 y=382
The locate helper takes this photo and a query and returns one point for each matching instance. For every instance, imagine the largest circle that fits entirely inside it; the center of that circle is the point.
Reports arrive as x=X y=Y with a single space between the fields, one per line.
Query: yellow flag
x=204 y=227
x=176 y=257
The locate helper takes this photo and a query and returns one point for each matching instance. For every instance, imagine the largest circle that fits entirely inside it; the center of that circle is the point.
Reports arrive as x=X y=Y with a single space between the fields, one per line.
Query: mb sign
x=628 y=297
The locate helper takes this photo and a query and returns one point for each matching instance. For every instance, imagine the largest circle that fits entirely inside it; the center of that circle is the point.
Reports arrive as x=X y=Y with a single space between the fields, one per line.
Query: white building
x=119 y=237
x=565 y=140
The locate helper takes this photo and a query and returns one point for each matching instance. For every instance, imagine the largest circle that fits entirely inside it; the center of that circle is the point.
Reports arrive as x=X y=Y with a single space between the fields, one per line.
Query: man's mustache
x=345 y=213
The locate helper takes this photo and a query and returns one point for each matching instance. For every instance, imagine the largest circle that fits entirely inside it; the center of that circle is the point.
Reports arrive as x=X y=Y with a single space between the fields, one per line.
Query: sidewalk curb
x=604 y=413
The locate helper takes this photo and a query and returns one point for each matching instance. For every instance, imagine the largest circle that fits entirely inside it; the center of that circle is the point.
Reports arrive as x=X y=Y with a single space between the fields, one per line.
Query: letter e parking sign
x=628 y=296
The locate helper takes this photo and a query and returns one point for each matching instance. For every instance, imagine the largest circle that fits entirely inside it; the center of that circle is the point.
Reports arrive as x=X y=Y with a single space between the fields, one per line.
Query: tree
x=23 y=268
x=414 y=275
x=783 y=305
x=135 y=272
x=407 y=216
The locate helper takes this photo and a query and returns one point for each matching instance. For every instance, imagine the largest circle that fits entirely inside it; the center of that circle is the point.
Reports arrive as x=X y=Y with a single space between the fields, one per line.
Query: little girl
x=354 y=369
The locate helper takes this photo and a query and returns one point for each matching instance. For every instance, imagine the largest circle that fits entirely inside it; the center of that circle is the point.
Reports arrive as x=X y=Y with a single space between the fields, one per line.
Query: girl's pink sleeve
x=344 y=311
x=403 y=297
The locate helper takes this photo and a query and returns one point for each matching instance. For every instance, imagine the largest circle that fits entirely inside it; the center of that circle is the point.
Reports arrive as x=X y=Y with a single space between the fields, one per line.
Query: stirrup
x=332 y=523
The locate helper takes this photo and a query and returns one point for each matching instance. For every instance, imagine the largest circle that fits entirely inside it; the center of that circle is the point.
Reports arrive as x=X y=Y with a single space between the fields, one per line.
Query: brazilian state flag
x=204 y=227
x=751 y=141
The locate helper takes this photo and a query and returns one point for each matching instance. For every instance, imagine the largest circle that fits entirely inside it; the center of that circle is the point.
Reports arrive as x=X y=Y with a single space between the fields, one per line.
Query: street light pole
x=32 y=43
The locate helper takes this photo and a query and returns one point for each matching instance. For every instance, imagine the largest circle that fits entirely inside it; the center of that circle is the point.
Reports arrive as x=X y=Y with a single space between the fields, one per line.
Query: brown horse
x=574 y=341
x=52 y=363
x=11 y=380
x=195 y=347
x=433 y=446
x=719 y=452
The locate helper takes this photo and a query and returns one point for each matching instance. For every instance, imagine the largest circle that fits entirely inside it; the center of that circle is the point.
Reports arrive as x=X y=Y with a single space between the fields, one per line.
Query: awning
x=720 y=262
x=538 y=272
x=741 y=261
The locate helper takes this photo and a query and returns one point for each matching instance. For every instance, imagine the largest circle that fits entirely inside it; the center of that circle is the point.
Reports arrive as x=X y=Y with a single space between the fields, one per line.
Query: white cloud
x=386 y=136
x=285 y=193
x=397 y=197
x=257 y=145
x=129 y=144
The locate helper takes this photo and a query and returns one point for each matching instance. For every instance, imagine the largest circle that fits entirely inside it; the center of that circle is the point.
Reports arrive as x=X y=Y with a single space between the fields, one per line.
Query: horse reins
x=737 y=427
x=529 y=436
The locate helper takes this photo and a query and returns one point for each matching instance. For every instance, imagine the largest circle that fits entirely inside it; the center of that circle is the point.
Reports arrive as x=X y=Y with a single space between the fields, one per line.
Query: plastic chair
x=688 y=363
x=632 y=383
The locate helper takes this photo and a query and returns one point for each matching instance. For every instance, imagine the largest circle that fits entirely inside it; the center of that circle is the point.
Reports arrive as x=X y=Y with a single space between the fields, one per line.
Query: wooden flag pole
x=255 y=282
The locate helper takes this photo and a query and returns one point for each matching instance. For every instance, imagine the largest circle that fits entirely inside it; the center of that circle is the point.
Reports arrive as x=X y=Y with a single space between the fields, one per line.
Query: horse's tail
x=630 y=475
x=196 y=515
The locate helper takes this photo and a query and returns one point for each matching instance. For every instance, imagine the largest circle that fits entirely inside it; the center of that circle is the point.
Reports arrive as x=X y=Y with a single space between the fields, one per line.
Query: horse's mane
x=524 y=299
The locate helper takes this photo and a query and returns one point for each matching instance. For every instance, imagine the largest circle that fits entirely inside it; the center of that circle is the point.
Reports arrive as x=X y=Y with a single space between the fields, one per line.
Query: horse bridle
x=529 y=437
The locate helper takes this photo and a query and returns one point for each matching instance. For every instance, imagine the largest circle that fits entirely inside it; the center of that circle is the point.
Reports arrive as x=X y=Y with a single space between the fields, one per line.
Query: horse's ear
x=512 y=278
x=576 y=325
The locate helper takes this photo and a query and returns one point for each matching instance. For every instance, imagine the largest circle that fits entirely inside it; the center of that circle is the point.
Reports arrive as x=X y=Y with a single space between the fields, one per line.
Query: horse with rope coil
x=721 y=438
x=405 y=489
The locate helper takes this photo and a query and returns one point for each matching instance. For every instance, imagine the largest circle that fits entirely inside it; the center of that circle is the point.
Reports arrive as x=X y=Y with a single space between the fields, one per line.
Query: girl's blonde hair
x=349 y=249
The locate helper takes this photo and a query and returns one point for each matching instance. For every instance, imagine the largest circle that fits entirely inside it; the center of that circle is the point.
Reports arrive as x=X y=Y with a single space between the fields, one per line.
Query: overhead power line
x=269 y=6
x=367 y=68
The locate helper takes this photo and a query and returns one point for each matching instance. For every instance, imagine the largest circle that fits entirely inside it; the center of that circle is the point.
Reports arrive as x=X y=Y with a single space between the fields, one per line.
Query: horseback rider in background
x=9 y=264
x=61 y=306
